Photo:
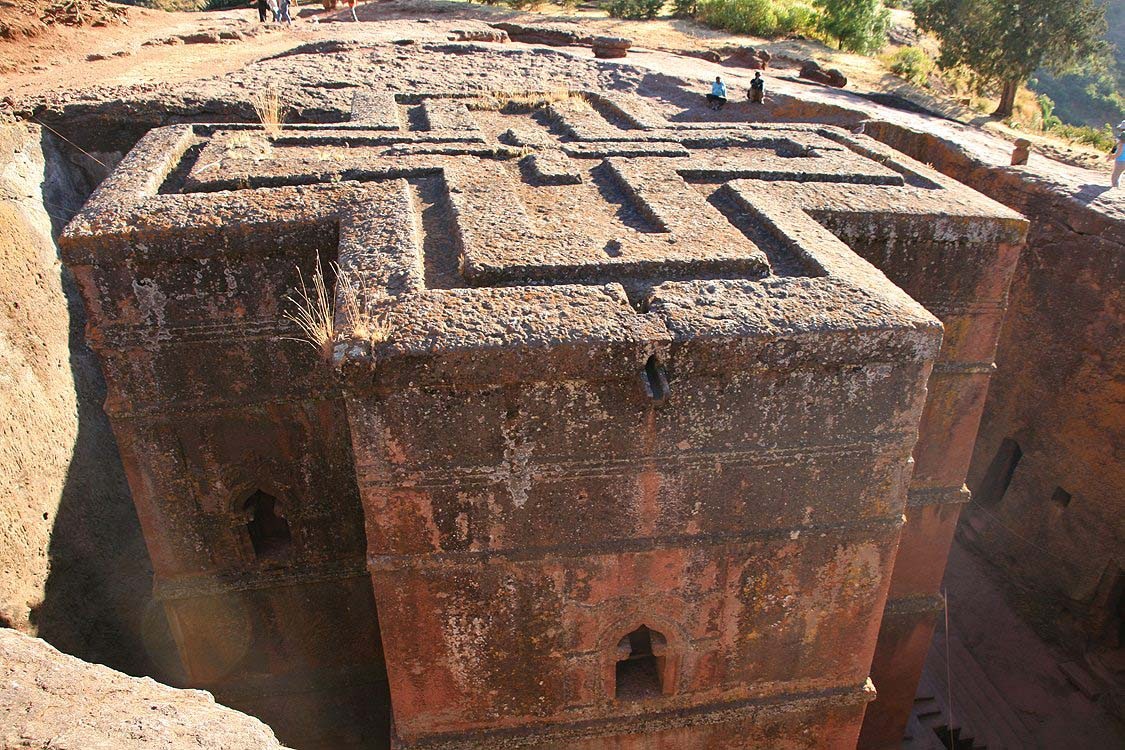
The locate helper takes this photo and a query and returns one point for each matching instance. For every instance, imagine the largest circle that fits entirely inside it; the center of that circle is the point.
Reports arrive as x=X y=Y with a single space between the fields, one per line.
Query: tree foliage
x=1005 y=41
x=858 y=25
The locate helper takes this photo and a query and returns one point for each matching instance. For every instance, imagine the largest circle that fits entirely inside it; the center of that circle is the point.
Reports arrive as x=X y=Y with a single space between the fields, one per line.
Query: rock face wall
x=1047 y=471
x=52 y=700
x=74 y=566
x=631 y=426
x=38 y=409
x=1047 y=474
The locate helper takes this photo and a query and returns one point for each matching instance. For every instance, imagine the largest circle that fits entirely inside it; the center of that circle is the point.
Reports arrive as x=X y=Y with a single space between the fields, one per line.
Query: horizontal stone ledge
x=158 y=412
x=217 y=583
x=859 y=530
x=922 y=496
x=559 y=735
x=912 y=606
x=421 y=477
x=964 y=368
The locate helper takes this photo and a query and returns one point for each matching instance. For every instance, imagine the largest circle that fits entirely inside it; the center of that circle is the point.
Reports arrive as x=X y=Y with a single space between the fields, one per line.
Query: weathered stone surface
x=1052 y=419
x=813 y=71
x=627 y=383
x=554 y=35
x=51 y=700
x=74 y=564
x=709 y=55
x=479 y=35
x=201 y=37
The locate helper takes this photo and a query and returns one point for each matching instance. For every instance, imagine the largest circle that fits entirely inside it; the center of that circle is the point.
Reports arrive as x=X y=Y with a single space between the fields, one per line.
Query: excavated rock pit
x=74 y=564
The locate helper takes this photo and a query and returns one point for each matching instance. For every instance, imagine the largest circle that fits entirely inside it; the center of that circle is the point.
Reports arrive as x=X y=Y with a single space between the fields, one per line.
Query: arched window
x=269 y=532
x=640 y=665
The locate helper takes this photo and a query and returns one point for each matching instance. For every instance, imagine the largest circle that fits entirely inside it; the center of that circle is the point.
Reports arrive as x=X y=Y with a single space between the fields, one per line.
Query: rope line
x=72 y=143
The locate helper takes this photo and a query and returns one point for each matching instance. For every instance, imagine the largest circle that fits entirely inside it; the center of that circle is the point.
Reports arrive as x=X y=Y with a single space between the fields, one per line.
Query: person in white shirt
x=718 y=96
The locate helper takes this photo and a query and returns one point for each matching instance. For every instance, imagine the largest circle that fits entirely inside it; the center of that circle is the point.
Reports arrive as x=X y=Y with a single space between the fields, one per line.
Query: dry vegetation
x=269 y=109
x=315 y=311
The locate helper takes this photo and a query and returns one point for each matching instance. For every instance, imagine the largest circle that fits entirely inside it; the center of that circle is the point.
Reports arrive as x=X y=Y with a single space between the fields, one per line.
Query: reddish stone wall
x=613 y=393
x=960 y=271
x=1054 y=398
x=1058 y=528
x=211 y=401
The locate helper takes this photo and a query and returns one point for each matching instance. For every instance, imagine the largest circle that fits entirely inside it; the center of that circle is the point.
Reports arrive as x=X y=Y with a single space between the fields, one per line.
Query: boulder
x=50 y=699
x=1021 y=152
x=812 y=71
x=201 y=37
x=709 y=55
x=749 y=57
x=611 y=46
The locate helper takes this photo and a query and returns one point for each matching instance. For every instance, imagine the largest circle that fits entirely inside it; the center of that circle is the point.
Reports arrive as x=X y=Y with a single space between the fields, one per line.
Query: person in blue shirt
x=1118 y=155
x=718 y=96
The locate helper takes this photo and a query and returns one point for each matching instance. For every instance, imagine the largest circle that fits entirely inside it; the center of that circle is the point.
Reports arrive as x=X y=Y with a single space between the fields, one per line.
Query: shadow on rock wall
x=97 y=603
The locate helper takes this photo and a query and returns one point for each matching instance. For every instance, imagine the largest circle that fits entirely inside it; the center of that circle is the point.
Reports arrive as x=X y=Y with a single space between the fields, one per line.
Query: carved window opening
x=269 y=532
x=1000 y=472
x=656 y=380
x=1060 y=497
x=640 y=665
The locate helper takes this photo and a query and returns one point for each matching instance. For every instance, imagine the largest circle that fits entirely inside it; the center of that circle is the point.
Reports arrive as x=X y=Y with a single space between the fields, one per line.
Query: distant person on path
x=1118 y=155
x=272 y=4
x=757 y=89
x=283 y=12
x=718 y=95
x=263 y=8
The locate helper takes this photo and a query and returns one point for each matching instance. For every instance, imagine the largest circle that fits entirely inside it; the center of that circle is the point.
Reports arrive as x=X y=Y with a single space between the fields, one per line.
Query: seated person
x=718 y=95
x=757 y=91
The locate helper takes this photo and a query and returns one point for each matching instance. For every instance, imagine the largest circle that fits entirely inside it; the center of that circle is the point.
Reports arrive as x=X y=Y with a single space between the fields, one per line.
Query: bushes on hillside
x=634 y=10
x=764 y=18
x=1100 y=138
x=685 y=8
x=857 y=25
x=913 y=64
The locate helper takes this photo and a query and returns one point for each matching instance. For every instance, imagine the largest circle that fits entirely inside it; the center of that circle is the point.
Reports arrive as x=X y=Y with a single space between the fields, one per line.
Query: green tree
x=856 y=25
x=1005 y=41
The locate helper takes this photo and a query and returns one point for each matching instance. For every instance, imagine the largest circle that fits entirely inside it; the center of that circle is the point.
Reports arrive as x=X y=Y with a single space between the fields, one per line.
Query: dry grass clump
x=522 y=101
x=268 y=107
x=314 y=311
x=363 y=322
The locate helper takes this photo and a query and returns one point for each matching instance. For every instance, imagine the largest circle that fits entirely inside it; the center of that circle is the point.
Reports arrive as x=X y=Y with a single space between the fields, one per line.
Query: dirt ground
x=143 y=48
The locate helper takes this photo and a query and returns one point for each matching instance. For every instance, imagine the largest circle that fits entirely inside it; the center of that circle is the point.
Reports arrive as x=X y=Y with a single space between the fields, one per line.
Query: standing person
x=272 y=5
x=757 y=89
x=1118 y=155
x=283 y=12
x=263 y=6
x=718 y=95
x=351 y=6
